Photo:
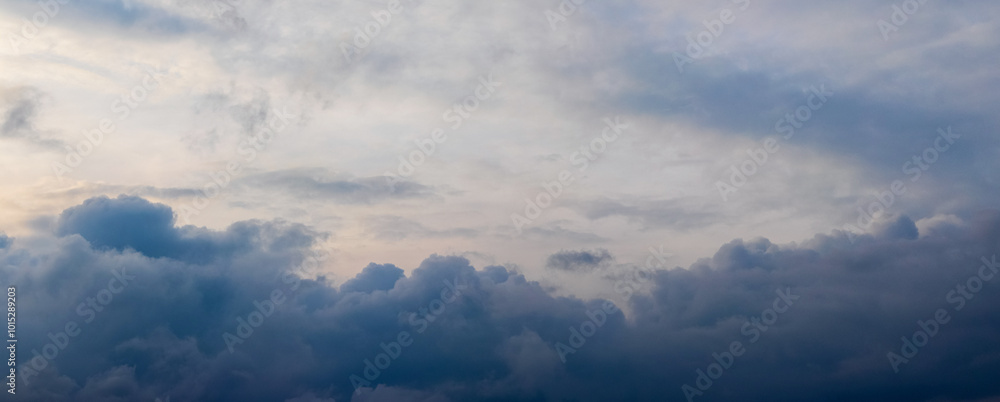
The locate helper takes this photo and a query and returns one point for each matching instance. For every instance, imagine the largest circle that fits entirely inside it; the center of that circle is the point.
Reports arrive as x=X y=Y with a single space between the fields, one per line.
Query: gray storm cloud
x=495 y=334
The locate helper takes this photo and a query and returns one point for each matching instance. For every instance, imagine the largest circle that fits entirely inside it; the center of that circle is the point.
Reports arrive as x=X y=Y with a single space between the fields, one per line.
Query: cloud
x=135 y=17
x=374 y=277
x=21 y=112
x=164 y=333
x=496 y=340
x=901 y=227
x=91 y=189
x=391 y=227
x=550 y=230
x=652 y=213
x=317 y=183
x=132 y=223
x=579 y=261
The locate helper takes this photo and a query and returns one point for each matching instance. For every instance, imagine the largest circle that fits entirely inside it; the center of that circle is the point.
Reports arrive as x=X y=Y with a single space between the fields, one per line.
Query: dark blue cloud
x=901 y=227
x=124 y=222
x=129 y=222
x=374 y=277
x=491 y=334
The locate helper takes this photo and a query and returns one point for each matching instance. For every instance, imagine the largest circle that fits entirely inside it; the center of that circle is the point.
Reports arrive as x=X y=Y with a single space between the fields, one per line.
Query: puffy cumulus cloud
x=450 y=332
x=901 y=227
x=374 y=277
x=129 y=222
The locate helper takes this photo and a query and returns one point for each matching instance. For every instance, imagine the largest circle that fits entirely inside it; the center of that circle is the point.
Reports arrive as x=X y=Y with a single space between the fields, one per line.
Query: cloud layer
x=491 y=333
x=503 y=201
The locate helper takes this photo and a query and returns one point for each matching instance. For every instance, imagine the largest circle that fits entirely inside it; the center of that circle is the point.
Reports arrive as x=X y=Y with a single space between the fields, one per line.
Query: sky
x=433 y=200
